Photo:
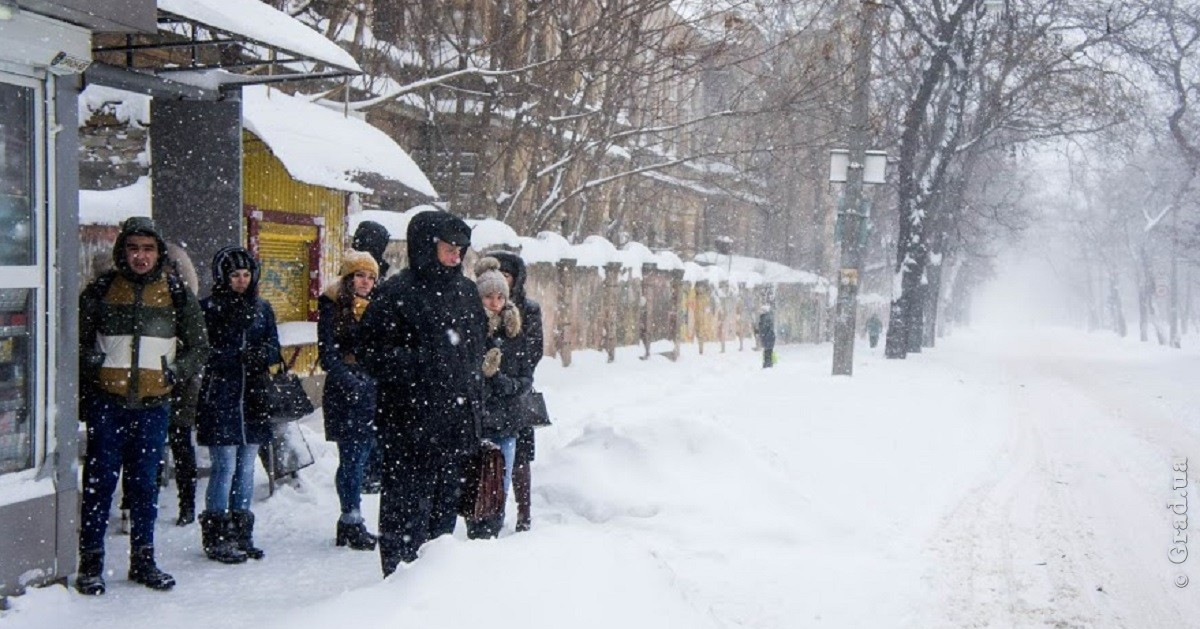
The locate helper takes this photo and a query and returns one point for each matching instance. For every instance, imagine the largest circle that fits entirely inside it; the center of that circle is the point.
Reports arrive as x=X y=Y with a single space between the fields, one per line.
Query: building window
x=21 y=272
x=16 y=379
x=16 y=175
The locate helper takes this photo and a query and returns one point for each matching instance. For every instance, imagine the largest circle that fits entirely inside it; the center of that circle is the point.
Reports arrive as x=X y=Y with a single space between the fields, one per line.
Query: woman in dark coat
x=508 y=378
x=349 y=398
x=232 y=414
x=513 y=269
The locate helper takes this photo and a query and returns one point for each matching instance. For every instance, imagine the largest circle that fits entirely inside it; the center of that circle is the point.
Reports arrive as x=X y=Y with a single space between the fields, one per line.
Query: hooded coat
x=372 y=238
x=186 y=392
x=138 y=334
x=426 y=327
x=349 y=396
x=766 y=329
x=245 y=343
x=531 y=328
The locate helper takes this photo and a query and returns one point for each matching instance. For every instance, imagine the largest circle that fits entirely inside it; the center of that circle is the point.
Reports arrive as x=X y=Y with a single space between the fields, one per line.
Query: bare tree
x=984 y=82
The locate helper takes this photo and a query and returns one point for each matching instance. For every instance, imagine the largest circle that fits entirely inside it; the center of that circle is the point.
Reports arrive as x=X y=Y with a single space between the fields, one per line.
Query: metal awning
x=203 y=46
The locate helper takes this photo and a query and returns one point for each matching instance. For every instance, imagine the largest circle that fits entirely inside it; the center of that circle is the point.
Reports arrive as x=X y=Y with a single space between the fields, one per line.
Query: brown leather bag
x=482 y=494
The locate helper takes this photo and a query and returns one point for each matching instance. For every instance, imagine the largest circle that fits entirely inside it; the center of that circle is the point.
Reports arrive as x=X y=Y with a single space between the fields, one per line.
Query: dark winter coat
x=245 y=343
x=349 y=397
x=766 y=330
x=186 y=392
x=424 y=344
x=531 y=327
x=506 y=388
x=874 y=325
x=123 y=316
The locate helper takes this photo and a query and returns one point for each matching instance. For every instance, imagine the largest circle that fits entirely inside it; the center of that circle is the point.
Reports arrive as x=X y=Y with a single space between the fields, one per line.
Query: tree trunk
x=932 y=293
x=1117 y=312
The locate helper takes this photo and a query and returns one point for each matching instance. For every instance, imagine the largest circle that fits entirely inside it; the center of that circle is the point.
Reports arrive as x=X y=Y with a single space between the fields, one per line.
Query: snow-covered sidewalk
x=990 y=482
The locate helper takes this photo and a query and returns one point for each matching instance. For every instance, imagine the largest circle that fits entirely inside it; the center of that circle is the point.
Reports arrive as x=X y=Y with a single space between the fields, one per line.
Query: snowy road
x=711 y=493
x=1069 y=527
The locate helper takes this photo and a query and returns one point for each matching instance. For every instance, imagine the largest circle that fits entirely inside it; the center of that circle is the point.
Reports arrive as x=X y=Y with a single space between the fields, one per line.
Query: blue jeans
x=352 y=462
x=508 y=447
x=231 y=485
x=120 y=437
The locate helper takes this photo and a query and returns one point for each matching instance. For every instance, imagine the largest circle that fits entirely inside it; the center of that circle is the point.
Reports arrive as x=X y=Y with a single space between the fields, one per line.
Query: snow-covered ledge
x=23 y=486
x=293 y=333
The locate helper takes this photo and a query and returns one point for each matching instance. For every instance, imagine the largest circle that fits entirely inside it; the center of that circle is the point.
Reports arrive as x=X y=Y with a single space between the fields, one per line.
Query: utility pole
x=851 y=216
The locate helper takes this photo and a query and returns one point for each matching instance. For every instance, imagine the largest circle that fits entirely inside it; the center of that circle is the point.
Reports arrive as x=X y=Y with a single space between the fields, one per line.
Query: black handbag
x=533 y=408
x=285 y=397
x=482 y=492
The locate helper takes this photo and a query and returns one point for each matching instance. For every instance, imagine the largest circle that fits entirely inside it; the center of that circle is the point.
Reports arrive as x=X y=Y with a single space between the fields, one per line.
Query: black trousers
x=180 y=439
x=768 y=361
x=419 y=498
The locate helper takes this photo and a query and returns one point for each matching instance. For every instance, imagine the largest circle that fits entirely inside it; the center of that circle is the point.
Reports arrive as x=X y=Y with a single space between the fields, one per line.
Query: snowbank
x=489 y=232
x=110 y=207
x=127 y=107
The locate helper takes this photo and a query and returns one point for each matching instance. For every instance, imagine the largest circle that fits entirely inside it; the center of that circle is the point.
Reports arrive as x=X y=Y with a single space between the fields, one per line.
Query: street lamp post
x=851 y=216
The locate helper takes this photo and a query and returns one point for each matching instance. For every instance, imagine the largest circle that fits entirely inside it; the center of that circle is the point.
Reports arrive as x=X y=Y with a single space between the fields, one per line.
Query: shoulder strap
x=101 y=284
x=177 y=289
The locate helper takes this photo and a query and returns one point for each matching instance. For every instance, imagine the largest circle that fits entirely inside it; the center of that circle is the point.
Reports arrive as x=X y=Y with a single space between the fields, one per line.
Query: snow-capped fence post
x=722 y=295
x=612 y=273
x=678 y=308
x=644 y=318
x=562 y=343
x=739 y=310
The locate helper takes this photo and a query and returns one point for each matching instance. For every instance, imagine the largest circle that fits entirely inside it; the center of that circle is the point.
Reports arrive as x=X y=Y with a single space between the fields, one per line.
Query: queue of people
x=420 y=368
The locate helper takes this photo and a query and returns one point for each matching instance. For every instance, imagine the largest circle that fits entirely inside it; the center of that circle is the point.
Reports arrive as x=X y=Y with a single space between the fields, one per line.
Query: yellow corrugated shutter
x=284 y=281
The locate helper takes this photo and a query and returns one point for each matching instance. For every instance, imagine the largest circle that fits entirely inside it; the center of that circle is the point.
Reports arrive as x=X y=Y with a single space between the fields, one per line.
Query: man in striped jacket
x=141 y=331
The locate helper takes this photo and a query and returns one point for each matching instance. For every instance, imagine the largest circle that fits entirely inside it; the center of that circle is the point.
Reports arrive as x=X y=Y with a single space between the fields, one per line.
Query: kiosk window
x=16 y=175
x=16 y=378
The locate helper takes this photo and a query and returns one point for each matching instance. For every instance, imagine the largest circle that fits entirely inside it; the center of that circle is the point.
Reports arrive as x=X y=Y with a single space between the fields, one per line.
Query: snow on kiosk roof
x=322 y=147
x=262 y=23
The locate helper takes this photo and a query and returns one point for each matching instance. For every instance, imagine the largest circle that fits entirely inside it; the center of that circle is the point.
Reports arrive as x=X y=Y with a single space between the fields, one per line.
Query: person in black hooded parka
x=426 y=345
x=513 y=268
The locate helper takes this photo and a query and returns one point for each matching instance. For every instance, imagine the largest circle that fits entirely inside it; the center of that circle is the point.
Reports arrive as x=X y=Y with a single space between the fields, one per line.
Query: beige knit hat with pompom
x=488 y=277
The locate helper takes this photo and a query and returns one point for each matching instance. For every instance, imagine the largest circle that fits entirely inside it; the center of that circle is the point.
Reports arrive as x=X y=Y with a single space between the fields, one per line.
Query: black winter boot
x=142 y=569
x=243 y=534
x=522 y=486
x=187 y=502
x=355 y=536
x=89 y=579
x=217 y=539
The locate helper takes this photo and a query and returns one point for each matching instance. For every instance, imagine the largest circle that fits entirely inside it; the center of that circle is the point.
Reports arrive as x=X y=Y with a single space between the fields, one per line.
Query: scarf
x=358 y=307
